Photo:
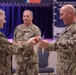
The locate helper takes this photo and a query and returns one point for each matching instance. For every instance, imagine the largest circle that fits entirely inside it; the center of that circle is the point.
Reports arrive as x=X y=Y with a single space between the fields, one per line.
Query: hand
x=14 y=43
x=17 y=43
x=33 y=41
x=44 y=44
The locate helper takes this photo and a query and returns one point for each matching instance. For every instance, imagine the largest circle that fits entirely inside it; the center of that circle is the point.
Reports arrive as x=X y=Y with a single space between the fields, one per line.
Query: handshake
x=38 y=40
x=34 y=41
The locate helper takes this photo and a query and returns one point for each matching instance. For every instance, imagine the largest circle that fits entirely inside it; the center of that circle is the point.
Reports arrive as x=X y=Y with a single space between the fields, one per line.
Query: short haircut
x=2 y=13
x=29 y=11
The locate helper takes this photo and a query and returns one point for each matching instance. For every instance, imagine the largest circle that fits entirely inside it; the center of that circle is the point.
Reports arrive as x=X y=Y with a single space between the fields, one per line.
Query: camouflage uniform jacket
x=65 y=46
x=6 y=50
x=23 y=34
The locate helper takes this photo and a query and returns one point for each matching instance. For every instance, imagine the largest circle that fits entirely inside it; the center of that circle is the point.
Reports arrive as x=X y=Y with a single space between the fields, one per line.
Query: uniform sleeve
x=37 y=31
x=15 y=32
x=13 y=49
x=64 y=45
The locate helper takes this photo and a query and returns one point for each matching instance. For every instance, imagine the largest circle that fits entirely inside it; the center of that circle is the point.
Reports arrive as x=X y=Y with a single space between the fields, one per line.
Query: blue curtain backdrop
x=43 y=17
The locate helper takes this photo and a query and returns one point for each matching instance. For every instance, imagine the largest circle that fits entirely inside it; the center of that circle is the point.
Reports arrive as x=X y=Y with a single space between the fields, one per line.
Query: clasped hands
x=34 y=41
x=38 y=40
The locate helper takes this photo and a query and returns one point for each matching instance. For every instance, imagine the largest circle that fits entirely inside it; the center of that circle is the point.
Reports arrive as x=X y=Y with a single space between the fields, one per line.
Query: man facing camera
x=27 y=62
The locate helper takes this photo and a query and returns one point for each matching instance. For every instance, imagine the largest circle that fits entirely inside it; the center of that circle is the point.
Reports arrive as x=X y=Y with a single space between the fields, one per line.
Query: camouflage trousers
x=27 y=69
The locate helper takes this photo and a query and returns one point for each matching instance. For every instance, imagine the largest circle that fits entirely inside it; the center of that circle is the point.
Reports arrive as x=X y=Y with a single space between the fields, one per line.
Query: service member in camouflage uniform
x=65 y=45
x=27 y=63
x=7 y=49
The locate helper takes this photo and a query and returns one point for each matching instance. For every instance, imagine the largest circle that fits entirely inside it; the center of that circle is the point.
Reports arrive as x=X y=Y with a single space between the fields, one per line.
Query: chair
x=43 y=63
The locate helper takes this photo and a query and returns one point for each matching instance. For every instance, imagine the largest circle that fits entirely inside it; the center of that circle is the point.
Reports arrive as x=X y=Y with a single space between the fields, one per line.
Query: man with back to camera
x=27 y=63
